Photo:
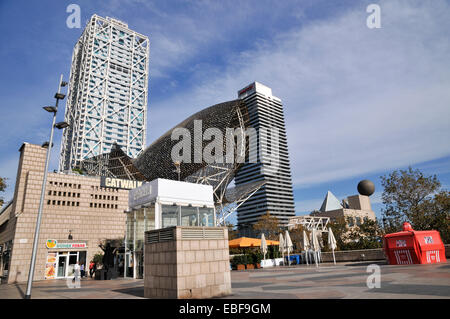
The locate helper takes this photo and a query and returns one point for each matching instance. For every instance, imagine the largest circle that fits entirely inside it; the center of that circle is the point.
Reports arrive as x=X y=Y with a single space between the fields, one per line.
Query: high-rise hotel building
x=276 y=196
x=107 y=100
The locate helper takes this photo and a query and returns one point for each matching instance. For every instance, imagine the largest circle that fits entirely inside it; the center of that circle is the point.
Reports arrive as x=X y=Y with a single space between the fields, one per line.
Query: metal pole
x=41 y=204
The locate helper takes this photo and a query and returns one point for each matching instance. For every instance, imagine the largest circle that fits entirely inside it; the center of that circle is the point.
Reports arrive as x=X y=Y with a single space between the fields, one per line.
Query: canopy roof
x=249 y=242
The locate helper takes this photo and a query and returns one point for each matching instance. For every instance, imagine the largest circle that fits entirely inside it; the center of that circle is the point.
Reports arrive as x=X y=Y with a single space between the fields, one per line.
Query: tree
x=365 y=236
x=232 y=232
x=2 y=189
x=296 y=235
x=268 y=225
x=410 y=196
x=339 y=228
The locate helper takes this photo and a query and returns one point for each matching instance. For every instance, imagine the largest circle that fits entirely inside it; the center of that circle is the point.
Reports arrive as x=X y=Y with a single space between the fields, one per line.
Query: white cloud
x=357 y=100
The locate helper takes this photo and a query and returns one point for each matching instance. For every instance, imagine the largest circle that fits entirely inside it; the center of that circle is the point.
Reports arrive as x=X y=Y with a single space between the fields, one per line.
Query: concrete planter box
x=250 y=266
x=265 y=263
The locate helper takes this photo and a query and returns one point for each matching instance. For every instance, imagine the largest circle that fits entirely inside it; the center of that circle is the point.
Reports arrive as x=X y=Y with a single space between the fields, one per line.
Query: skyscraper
x=107 y=100
x=276 y=196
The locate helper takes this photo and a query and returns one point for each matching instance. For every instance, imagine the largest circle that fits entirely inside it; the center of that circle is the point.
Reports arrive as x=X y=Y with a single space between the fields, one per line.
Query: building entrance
x=65 y=262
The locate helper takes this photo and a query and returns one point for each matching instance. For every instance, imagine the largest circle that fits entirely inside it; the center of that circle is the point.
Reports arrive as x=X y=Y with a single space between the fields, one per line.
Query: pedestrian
x=76 y=272
x=91 y=268
x=82 y=270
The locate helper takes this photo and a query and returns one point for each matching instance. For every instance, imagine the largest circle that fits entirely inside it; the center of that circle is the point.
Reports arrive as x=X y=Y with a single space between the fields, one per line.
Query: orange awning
x=249 y=242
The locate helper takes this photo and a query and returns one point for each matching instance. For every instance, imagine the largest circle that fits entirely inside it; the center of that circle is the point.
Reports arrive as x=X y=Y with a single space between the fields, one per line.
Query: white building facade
x=108 y=92
x=164 y=203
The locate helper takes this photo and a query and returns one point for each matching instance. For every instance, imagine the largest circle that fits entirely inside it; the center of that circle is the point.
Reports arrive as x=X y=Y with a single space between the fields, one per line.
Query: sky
x=358 y=102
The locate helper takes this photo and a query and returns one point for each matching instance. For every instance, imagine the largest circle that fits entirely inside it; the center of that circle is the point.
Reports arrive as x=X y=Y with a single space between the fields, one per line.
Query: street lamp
x=60 y=125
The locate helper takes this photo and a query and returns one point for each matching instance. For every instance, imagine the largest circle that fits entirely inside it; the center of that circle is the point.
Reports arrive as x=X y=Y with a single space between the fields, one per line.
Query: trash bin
x=414 y=247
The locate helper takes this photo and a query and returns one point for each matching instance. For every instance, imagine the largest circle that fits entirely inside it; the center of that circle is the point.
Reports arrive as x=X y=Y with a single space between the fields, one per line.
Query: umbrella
x=282 y=245
x=315 y=244
x=306 y=246
x=263 y=245
x=332 y=243
x=288 y=245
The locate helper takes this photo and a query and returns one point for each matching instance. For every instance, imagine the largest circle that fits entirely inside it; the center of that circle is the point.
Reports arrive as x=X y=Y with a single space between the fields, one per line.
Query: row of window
x=62 y=203
x=60 y=193
x=106 y=197
x=104 y=189
x=61 y=184
x=103 y=205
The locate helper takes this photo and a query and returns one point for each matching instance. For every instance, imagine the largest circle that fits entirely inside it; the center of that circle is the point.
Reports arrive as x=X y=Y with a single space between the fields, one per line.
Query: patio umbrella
x=288 y=245
x=315 y=245
x=332 y=243
x=306 y=246
x=282 y=245
x=263 y=245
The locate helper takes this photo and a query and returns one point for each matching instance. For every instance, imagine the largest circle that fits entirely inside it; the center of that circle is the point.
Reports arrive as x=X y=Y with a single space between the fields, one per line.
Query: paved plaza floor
x=345 y=280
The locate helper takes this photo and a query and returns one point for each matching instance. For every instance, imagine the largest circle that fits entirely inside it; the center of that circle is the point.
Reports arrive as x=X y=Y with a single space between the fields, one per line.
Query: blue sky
x=359 y=102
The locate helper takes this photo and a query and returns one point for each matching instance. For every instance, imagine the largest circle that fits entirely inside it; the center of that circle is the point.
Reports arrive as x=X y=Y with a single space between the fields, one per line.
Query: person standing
x=91 y=268
x=82 y=270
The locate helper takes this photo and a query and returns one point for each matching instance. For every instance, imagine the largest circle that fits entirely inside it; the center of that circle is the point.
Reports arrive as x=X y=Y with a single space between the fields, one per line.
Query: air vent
x=201 y=233
x=159 y=236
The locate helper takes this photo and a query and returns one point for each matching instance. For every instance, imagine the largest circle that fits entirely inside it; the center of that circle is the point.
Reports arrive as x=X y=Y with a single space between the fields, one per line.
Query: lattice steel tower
x=107 y=100
x=276 y=196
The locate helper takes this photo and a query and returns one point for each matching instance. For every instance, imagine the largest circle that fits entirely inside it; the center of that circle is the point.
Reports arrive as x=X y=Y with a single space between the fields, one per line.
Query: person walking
x=76 y=272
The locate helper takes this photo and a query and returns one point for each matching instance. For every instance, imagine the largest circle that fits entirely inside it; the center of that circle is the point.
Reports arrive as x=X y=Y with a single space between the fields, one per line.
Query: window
x=189 y=216
x=206 y=216
x=169 y=215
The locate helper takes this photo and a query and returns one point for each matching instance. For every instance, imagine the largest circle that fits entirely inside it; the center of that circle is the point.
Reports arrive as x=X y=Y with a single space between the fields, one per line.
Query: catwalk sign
x=119 y=183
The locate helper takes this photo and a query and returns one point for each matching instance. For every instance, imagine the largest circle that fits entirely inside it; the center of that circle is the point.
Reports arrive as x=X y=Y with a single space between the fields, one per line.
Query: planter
x=265 y=263
x=240 y=267
x=250 y=266
x=258 y=266
x=278 y=261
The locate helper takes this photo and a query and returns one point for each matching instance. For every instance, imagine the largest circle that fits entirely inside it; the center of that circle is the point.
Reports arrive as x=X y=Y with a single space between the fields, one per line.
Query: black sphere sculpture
x=366 y=187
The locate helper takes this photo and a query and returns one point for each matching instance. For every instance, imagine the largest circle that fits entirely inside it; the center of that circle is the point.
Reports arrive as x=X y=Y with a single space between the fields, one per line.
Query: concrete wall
x=357 y=255
x=187 y=266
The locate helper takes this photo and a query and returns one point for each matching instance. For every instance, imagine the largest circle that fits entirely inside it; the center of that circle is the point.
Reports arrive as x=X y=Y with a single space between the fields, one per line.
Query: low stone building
x=355 y=209
x=75 y=207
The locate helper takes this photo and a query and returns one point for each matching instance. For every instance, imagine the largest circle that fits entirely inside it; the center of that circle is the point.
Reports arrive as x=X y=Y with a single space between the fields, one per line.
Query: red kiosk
x=414 y=247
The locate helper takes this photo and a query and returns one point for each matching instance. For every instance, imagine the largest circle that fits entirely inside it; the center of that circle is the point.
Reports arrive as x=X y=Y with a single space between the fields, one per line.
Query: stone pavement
x=345 y=280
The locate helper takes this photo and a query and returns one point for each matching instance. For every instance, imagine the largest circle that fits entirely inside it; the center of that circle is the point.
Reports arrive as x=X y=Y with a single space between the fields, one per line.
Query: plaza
x=341 y=281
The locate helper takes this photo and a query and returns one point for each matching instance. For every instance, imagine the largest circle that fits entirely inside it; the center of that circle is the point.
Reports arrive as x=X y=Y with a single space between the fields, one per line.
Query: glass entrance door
x=62 y=266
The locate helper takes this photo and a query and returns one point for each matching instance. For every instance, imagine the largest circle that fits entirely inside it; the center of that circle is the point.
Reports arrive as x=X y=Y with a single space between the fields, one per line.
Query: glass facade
x=143 y=219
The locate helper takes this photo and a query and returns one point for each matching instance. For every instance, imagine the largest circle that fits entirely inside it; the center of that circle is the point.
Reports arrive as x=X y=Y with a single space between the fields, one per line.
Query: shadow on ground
x=367 y=263
x=136 y=291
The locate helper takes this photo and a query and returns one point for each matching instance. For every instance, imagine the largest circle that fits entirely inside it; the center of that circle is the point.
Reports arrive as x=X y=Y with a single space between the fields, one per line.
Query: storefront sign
x=141 y=195
x=111 y=182
x=53 y=244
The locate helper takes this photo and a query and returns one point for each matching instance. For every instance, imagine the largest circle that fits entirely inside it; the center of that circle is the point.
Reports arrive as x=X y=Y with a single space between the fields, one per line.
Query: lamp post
x=60 y=125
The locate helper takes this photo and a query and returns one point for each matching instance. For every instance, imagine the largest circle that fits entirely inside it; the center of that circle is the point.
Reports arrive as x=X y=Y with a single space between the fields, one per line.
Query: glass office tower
x=276 y=196
x=107 y=100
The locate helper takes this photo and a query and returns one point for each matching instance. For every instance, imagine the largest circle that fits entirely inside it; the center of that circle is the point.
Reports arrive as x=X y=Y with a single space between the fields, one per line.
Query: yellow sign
x=51 y=243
